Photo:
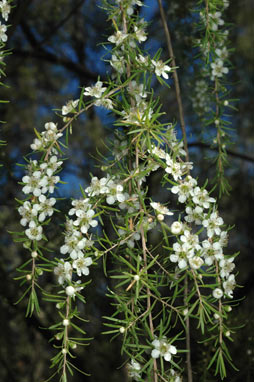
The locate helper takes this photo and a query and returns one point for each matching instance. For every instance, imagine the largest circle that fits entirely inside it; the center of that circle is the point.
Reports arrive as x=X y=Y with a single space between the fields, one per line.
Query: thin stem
x=148 y=307
x=220 y=164
x=187 y=333
x=176 y=80
x=150 y=317
x=77 y=114
x=159 y=264
x=145 y=251
x=65 y=342
x=220 y=307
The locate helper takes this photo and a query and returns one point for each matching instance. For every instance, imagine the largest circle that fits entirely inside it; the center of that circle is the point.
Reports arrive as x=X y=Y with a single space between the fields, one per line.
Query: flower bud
x=70 y=290
x=176 y=228
x=66 y=322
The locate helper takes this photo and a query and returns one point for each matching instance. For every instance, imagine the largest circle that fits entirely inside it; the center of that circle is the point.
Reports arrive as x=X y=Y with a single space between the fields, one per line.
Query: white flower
x=32 y=184
x=3 y=35
x=95 y=91
x=63 y=271
x=201 y=197
x=85 y=220
x=194 y=215
x=51 y=133
x=115 y=193
x=161 y=210
x=34 y=232
x=163 y=348
x=137 y=90
x=227 y=266
x=37 y=144
x=117 y=38
x=212 y=224
x=118 y=63
x=217 y=293
x=184 y=189
x=143 y=61
x=179 y=256
x=5 y=8
x=174 y=377
x=225 y=3
x=218 y=69
x=132 y=4
x=161 y=69
x=174 y=143
x=176 y=228
x=139 y=114
x=158 y=152
x=190 y=242
x=196 y=262
x=97 y=186
x=70 y=106
x=47 y=184
x=44 y=207
x=140 y=34
x=222 y=53
x=27 y=212
x=104 y=102
x=81 y=264
x=174 y=168
x=74 y=242
x=229 y=286
x=134 y=370
x=51 y=166
x=215 y=20
x=79 y=204
x=222 y=240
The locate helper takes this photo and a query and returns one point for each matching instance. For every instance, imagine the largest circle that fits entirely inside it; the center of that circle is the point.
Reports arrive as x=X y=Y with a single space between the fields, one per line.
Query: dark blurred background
x=55 y=50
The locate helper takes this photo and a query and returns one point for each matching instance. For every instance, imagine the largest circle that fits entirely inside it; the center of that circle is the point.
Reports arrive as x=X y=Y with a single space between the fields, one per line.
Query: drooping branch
x=232 y=153
x=62 y=22
x=46 y=56
x=175 y=77
x=40 y=53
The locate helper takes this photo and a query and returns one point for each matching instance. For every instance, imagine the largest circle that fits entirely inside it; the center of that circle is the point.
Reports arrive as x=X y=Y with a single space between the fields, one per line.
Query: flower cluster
x=39 y=182
x=108 y=186
x=211 y=88
x=212 y=20
x=5 y=9
x=190 y=250
x=77 y=241
x=47 y=138
x=200 y=97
